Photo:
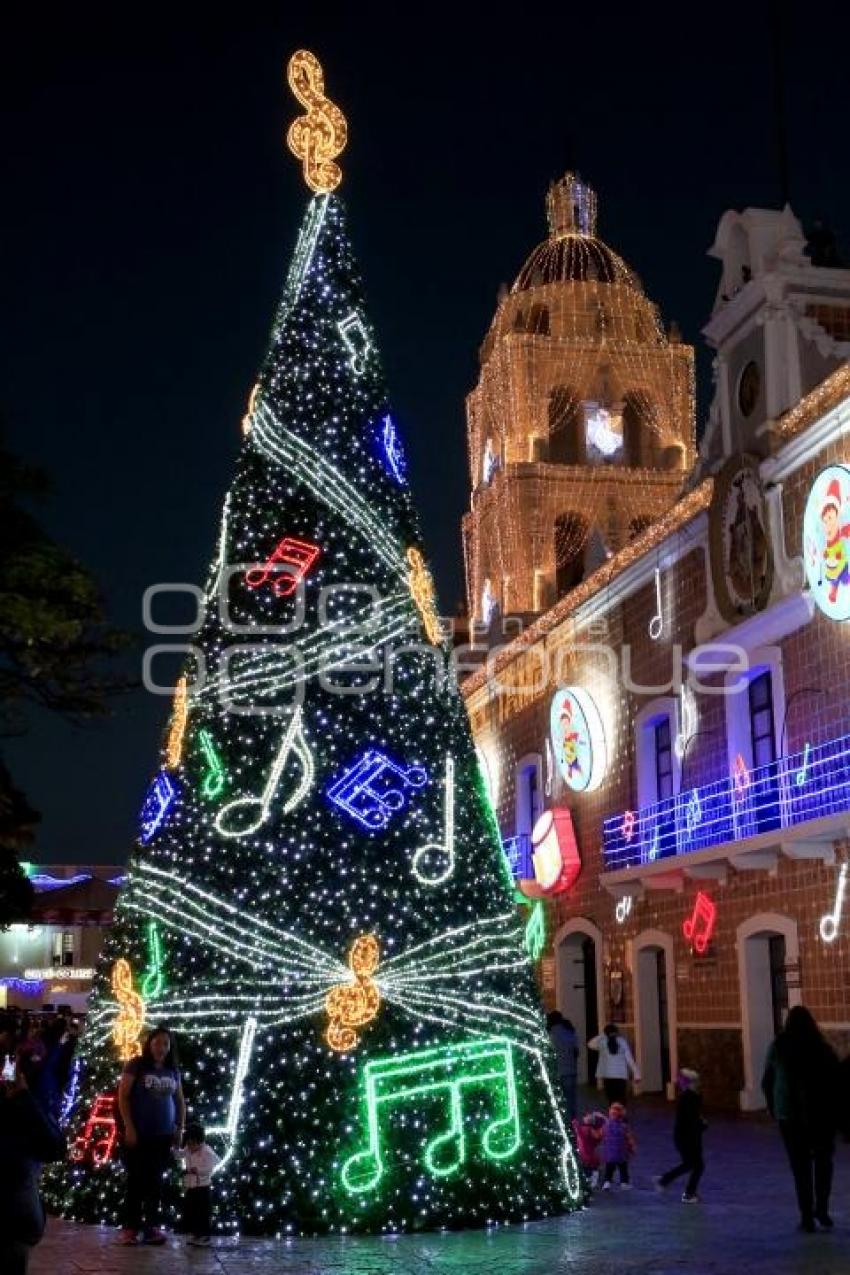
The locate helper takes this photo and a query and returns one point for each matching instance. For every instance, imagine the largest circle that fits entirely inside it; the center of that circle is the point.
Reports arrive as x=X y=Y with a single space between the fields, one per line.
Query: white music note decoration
x=656 y=624
x=444 y=850
x=356 y=340
x=830 y=922
x=244 y=815
x=623 y=909
x=804 y=770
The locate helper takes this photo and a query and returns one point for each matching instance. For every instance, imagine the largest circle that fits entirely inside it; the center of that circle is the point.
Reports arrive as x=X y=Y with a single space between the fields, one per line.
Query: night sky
x=150 y=211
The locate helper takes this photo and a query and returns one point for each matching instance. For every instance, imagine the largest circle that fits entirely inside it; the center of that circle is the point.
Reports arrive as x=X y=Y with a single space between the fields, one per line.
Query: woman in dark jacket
x=28 y=1137
x=800 y=1084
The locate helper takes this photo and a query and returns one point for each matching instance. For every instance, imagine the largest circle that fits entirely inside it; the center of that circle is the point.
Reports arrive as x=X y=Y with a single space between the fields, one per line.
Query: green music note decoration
x=450 y=1070
x=535 y=931
x=154 y=981
x=214 y=774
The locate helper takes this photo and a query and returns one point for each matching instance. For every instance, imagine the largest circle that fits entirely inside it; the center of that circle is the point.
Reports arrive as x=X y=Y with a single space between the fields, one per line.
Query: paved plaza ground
x=745 y=1224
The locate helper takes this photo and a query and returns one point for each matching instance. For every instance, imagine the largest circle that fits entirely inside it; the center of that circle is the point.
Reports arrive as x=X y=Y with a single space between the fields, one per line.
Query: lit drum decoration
x=826 y=541
x=578 y=738
x=555 y=855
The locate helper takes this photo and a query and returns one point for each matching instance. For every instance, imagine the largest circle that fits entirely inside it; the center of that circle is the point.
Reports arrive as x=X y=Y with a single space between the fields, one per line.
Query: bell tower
x=580 y=429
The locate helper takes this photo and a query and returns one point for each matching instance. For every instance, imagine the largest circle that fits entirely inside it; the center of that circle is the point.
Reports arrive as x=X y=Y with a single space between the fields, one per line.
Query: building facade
x=50 y=962
x=667 y=747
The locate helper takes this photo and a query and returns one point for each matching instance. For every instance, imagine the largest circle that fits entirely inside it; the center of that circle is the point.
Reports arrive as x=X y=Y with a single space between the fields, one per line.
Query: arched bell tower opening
x=592 y=402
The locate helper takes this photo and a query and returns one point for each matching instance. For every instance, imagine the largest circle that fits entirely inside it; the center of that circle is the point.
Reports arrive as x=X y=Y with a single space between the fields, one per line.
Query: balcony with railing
x=518 y=854
x=801 y=800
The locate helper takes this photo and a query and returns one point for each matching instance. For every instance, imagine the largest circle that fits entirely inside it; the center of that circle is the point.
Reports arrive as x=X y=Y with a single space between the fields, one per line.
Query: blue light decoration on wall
x=159 y=799
x=826 y=541
x=392 y=451
x=810 y=784
x=372 y=790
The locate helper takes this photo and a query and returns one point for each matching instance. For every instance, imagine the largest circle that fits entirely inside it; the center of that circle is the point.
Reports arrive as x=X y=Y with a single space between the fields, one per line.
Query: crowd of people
x=806 y=1088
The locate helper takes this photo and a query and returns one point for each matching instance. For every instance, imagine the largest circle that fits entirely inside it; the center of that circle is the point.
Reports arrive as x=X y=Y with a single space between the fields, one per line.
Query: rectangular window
x=68 y=948
x=56 y=947
x=663 y=760
x=762 y=731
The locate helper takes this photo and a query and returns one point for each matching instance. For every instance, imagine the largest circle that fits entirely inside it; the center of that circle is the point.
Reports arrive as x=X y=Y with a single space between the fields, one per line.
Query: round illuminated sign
x=578 y=738
x=826 y=541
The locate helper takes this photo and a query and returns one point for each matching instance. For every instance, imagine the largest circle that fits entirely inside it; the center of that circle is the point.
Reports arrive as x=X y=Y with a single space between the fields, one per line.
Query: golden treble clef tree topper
x=319 y=136
x=353 y=1005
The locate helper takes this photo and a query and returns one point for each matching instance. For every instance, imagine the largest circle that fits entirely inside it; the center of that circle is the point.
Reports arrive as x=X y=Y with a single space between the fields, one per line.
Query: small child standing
x=589 y=1130
x=618 y=1146
x=198 y=1160
x=688 y=1129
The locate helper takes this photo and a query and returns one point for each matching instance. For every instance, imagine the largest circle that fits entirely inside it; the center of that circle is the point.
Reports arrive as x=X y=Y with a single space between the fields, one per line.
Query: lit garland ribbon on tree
x=352 y=880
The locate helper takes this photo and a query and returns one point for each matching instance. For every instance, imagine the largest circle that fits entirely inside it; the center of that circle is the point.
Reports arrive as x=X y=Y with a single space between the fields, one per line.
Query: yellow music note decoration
x=319 y=136
x=131 y=1015
x=177 y=729
x=421 y=586
x=354 y=1004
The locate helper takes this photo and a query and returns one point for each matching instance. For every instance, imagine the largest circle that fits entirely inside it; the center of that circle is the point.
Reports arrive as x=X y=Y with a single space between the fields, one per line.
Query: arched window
x=537 y=321
x=570 y=538
x=565 y=420
x=639 y=429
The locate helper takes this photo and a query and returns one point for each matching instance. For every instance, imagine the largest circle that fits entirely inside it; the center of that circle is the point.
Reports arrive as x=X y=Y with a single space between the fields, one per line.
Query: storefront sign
x=82 y=973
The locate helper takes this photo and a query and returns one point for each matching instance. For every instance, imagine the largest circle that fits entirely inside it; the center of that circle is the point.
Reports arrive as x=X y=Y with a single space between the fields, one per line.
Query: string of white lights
x=327 y=485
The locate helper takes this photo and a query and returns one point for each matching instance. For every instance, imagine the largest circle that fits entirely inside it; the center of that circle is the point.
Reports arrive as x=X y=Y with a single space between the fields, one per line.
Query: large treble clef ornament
x=131 y=1013
x=319 y=136
x=353 y=1005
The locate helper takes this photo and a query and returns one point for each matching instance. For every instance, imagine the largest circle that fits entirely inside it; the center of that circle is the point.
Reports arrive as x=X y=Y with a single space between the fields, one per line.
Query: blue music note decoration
x=372 y=790
x=392 y=451
x=159 y=799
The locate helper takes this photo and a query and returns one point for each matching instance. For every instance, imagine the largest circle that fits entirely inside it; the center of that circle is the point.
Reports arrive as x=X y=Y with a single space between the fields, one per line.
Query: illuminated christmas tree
x=319 y=906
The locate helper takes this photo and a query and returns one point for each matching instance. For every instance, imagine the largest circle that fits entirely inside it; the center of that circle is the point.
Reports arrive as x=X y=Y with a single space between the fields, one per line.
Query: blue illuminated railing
x=518 y=854
x=791 y=790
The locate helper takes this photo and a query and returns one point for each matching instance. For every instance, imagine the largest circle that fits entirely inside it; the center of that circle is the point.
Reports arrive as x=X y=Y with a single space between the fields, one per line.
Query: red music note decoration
x=629 y=824
x=705 y=913
x=740 y=777
x=95 y=1143
x=285 y=568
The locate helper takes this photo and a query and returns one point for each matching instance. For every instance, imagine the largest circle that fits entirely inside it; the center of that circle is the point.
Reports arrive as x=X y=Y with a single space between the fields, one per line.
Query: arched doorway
x=767 y=944
x=654 y=984
x=578 y=986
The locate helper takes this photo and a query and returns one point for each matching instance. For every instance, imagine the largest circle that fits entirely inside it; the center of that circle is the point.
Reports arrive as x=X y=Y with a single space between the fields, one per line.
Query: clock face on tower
x=739 y=539
x=749 y=384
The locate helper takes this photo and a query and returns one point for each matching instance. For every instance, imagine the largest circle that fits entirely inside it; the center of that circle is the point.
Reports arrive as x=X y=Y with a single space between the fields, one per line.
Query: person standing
x=28 y=1136
x=199 y=1162
x=688 y=1129
x=151 y=1104
x=618 y=1147
x=615 y=1064
x=801 y=1086
x=565 y=1044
